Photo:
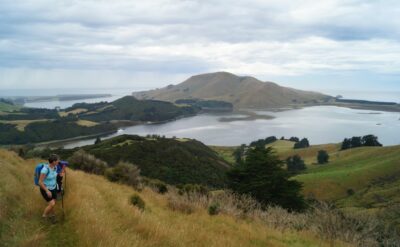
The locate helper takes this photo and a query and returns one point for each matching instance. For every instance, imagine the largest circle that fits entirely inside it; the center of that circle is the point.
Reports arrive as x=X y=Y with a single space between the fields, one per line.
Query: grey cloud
x=183 y=37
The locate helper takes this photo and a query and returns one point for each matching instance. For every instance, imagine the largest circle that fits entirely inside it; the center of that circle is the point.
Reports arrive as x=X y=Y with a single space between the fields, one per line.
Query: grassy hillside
x=365 y=179
x=242 y=92
x=5 y=107
x=354 y=169
x=171 y=160
x=97 y=213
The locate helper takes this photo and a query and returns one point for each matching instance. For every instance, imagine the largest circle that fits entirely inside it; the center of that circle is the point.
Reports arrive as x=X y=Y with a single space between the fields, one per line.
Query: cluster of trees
x=303 y=143
x=263 y=142
x=262 y=176
x=206 y=104
x=49 y=130
x=358 y=141
x=295 y=164
x=31 y=114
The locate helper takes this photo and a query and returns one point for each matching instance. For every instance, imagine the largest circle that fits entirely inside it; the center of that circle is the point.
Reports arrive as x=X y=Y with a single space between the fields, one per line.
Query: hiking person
x=48 y=186
x=60 y=175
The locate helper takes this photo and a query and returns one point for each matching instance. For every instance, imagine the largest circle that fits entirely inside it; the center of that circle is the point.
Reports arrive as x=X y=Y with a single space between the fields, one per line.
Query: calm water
x=320 y=124
x=115 y=92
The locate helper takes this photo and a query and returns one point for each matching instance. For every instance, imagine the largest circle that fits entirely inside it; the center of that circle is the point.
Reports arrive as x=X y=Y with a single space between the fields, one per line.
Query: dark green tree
x=356 y=142
x=98 y=140
x=322 y=157
x=303 y=143
x=262 y=176
x=295 y=164
x=370 y=140
x=346 y=144
x=239 y=153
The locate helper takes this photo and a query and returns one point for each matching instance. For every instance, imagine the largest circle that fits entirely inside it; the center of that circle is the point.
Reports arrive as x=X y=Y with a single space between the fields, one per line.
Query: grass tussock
x=322 y=219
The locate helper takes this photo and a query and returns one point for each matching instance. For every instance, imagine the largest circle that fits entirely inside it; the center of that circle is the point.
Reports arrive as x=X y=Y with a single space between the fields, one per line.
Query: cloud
x=177 y=38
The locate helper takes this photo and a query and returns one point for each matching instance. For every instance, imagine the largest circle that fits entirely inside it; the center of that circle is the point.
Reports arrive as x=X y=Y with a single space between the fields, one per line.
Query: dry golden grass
x=86 y=123
x=74 y=112
x=309 y=155
x=98 y=213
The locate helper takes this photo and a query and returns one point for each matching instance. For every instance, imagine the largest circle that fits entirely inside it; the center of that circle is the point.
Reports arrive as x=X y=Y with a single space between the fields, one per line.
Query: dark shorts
x=46 y=197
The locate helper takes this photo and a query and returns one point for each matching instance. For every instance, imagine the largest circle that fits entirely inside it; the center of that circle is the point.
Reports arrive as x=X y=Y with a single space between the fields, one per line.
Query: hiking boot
x=52 y=219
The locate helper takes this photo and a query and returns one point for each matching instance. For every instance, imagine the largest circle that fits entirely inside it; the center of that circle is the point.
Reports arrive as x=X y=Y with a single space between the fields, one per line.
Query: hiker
x=48 y=185
x=60 y=175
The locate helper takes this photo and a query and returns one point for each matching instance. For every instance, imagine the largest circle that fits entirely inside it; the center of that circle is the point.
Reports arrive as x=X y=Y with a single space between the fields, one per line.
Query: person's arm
x=41 y=184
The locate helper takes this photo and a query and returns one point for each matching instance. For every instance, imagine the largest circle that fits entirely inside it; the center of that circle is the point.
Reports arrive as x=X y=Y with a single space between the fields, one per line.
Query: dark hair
x=53 y=157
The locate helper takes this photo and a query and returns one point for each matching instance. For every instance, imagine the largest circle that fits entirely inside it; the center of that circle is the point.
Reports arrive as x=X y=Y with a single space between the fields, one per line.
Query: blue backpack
x=38 y=169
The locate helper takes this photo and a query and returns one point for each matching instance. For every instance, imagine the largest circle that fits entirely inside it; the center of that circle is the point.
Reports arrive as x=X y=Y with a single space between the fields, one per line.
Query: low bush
x=156 y=185
x=137 y=201
x=213 y=209
x=126 y=173
x=87 y=162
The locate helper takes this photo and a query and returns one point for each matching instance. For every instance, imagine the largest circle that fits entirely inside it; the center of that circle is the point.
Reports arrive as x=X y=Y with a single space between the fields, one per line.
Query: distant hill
x=175 y=161
x=32 y=125
x=241 y=91
x=130 y=108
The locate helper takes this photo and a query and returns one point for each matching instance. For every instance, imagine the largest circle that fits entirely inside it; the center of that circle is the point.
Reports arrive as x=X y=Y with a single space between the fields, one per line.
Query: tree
x=356 y=142
x=322 y=157
x=98 y=140
x=239 y=153
x=302 y=144
x=295 y=164
x=262 y=176
x=294 y=139
x=370 y=140
x=346 y=144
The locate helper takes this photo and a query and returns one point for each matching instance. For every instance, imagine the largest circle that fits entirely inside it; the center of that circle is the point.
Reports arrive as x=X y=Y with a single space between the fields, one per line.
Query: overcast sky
x=345 y=44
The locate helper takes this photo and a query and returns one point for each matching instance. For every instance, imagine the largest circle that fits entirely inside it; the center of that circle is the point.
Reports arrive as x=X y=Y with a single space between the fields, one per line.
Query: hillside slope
x=174 y=161
x=362 y=180
x=97 y=213
x=241 y=91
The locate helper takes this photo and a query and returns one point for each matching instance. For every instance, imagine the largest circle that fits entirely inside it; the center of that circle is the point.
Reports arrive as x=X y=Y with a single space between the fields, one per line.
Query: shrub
x=161 y=187
x=303 y=143
x=213 y=209
x=350 y=192
x=126 y=173
x=137 y=201
x=322 y=157
x=295 y=164
x=156 y=185
x=87 y=162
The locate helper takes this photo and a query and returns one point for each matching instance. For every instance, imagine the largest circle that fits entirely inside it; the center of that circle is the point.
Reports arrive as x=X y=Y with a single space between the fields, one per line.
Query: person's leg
x=50 y=208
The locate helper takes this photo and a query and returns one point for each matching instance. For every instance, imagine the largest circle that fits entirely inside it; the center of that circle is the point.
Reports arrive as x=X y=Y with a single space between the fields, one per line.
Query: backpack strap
x=48 y=169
